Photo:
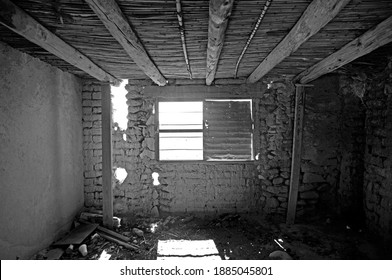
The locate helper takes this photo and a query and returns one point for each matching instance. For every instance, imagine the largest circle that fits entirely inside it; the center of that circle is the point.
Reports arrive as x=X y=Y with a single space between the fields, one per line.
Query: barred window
x=210 y=130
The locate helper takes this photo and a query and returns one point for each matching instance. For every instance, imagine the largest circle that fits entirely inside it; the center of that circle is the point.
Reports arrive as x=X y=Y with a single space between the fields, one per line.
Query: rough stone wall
x=205 y=187
x=41 y=164
x=332 y=158
x=378 y=153
x=275 y=115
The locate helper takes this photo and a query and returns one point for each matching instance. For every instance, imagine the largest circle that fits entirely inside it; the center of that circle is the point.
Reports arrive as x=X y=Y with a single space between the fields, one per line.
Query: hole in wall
x=120 y=107
x=120 y=174
x=124 y=137
x=155 y=176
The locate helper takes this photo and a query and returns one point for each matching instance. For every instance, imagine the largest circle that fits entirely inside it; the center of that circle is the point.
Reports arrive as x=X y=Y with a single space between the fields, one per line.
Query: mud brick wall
x=333 y=143
x=92 y=143
x=199 y=187
x=378 y=152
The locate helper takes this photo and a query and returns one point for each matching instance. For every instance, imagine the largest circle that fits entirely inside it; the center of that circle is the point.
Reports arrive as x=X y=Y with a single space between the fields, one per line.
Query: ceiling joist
x=372 y=39
x=315 y=17
x=14 y=18
x=220 y=11
x=110 y=14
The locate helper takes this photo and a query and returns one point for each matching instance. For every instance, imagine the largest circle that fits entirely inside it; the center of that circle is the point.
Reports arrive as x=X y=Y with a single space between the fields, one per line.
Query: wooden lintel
x=296 y=153
x=372 y=39
x=198 y=92
x=14 y=18
x=117 y=24
x=315 y=17
x=220 y=11
x=107 y=191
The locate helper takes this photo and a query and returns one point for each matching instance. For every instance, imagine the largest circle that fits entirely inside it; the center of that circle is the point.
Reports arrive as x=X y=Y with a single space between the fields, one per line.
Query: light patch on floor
x=185 y=249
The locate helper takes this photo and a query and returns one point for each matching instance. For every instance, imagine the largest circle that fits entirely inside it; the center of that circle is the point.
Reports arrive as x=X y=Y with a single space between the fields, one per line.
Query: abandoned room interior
x=253 y=129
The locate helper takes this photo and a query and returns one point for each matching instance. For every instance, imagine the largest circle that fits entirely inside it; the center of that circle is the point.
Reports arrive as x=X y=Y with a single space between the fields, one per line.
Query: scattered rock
x=138 y=232
x=83 y=250
x=280 y=255
x=187 y=219
x=54 y=254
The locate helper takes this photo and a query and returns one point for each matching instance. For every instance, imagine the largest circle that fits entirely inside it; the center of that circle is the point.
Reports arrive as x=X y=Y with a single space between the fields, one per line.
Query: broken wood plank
x=119 y=242
x=372 y=39
x=117 y=24
x=113 y=233
x=296 y=153
x=107 y=162
x=77 y=235
x=14 y=18
x=315 y=17
x=220 y=11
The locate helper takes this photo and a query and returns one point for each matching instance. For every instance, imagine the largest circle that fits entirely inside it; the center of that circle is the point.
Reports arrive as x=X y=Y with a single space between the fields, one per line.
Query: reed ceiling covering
x=156 y=25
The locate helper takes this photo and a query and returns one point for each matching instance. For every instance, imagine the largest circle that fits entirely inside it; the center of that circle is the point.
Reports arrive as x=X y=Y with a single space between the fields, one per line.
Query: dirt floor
x=237 y=237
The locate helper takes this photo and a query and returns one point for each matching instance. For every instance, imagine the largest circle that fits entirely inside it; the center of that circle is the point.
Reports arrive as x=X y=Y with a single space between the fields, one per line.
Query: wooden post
x=296 y=153
x=107 y=157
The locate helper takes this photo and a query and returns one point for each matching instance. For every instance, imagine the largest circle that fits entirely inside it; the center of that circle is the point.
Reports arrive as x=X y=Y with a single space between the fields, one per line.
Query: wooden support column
x=107 y=157
x=296 y=153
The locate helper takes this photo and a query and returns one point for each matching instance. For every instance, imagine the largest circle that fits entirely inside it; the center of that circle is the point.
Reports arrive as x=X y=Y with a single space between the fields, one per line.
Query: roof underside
x=155 y=22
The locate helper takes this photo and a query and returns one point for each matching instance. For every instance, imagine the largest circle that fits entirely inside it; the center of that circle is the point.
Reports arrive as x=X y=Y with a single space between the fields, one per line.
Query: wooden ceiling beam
x=315 y=17
x=220 y=11
x=369 y=41
x=115 y=21
x=14 y=18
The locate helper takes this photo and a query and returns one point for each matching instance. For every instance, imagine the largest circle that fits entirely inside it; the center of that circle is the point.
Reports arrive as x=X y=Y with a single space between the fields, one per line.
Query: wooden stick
x=113 y=233
x=266 y=6
x=181 y=27
x=107 y=190
x=296 y=154
x=119 y=242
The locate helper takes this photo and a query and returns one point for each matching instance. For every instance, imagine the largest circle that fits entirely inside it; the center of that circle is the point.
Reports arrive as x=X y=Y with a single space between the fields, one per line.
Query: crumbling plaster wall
x=199 y=187
x=41 y=166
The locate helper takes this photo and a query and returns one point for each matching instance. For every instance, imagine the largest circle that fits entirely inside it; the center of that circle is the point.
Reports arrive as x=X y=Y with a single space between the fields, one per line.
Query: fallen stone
x=187 y=219
x=138 y=232
x=54 y=254
x=155 y=212
x=280 y=255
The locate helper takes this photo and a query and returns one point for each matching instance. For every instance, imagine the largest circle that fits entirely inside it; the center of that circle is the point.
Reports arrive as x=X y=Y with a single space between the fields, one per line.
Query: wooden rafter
x=117 y=24
x=315 y=17
x=374 y=38
x=14 y=18
x=182 y=33
x=220 y=11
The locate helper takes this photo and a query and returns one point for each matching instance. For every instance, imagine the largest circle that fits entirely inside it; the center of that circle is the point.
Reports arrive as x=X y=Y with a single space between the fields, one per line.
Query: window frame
x=203 y=99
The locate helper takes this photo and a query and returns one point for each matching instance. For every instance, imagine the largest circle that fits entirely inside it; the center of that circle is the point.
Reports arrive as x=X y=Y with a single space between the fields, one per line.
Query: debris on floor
x=236 y=237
